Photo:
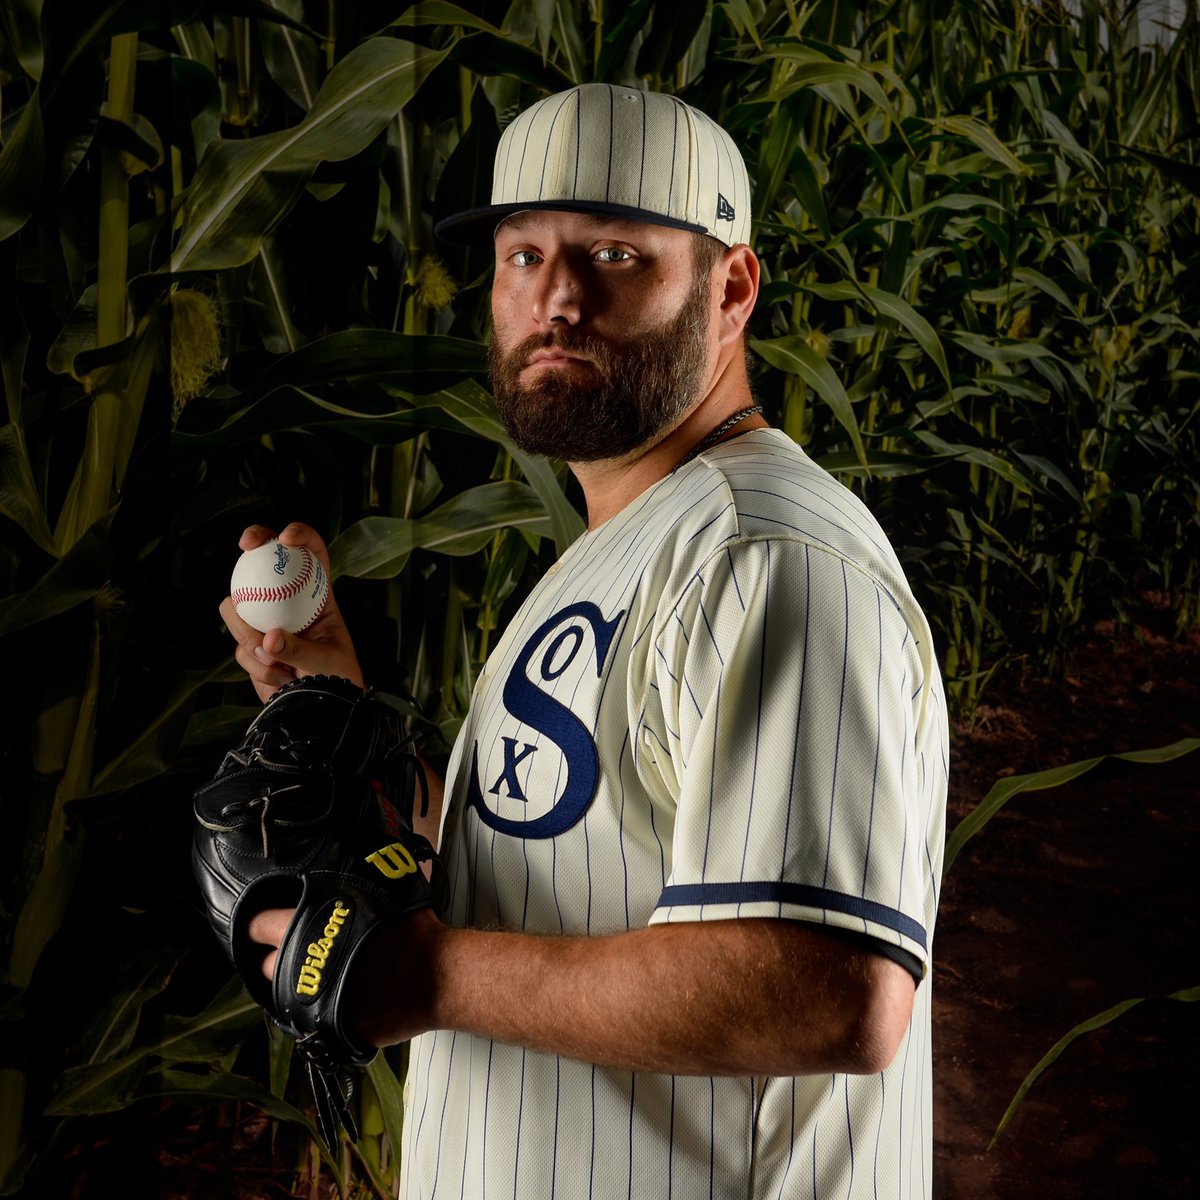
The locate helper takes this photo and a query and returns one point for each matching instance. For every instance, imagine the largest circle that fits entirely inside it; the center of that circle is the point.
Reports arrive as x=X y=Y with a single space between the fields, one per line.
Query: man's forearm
x=746 y=997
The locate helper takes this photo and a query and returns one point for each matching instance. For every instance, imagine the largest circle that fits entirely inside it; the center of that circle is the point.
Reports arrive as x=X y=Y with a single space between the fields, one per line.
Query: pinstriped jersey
x=721 y=703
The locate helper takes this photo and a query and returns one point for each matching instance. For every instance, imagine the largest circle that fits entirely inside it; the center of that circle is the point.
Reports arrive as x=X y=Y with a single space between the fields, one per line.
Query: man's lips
x=555 y=357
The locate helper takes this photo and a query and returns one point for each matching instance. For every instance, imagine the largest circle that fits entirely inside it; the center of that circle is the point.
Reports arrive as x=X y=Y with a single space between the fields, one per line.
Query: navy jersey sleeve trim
x=753 y=892
x=864 y=941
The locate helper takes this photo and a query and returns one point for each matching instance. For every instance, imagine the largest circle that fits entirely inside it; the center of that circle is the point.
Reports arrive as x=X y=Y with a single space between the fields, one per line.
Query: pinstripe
x=792 y=774
x=442 y=1122
x=557 y=1114
x=592 y=1174
x=462 y=1180
x=549 y=143
x=717 y=170
x=933 y=881
x=632 y=1092
x=816 y=1126
x=683 y=628
x=837 y=745
x=787 y=1171
x=708 y=524
x=851 y=527
x=668 y=670
x=879 y=1134
x=900 y=1122
x=733 y=576
x=671 y=1144
x=849 y=1136
x=428 y=1068
x=712 y=1139
x=762 y=674
x=878 y=740
x=711 y=797
x=587 y=858
x=524 y=150
x=642 y=168
x=502 y=176
x=612 y=103
x=578 y=144
x=520 y=1114
x=621 y=831
x=674 y=148
x=562 y=928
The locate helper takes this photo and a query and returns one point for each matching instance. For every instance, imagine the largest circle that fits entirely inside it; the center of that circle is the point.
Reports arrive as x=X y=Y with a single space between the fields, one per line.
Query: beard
x=642 y=390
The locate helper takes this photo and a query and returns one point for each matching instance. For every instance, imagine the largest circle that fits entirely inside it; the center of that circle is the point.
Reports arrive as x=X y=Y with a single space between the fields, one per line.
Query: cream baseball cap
x=601 y=148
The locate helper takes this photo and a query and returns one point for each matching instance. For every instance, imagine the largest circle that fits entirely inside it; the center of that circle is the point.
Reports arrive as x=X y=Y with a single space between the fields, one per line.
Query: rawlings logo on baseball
x=279 y=587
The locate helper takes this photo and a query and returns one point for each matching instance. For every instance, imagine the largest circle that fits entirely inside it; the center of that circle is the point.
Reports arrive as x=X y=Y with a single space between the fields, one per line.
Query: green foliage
x=223 y=302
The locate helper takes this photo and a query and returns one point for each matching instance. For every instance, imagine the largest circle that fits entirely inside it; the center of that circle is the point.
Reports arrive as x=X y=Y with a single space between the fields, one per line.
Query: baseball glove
x=314 y=811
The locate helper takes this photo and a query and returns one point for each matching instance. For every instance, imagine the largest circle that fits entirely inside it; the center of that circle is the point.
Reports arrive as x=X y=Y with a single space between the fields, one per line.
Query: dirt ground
x=1069 y=902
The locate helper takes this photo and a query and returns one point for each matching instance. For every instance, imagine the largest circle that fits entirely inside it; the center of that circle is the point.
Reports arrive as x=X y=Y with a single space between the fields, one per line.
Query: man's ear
x=739 y=274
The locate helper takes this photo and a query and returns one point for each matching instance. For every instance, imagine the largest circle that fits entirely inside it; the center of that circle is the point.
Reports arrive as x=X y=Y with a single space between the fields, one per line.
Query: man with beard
x=693 y=822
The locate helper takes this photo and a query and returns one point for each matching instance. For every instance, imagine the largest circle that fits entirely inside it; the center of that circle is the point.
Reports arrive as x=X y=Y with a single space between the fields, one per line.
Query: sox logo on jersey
x=536 y=710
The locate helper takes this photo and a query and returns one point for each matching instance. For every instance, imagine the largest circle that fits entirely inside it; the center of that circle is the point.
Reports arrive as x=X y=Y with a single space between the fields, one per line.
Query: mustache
x=584 y=345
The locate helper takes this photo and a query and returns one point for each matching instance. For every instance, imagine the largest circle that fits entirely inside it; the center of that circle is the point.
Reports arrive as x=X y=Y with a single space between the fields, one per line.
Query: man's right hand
x=274 y=658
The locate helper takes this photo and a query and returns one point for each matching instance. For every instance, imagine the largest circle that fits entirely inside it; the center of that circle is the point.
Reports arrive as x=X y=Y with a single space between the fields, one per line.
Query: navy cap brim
x=477 y=226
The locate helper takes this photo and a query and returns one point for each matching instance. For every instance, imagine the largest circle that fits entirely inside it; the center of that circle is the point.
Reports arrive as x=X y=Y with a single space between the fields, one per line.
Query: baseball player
x=693 y=823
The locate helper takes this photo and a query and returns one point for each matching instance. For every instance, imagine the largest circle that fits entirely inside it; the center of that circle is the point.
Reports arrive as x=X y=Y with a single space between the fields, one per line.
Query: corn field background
x=221 y=301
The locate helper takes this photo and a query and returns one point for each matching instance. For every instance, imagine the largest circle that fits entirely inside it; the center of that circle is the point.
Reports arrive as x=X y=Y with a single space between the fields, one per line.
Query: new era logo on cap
x=599 y=147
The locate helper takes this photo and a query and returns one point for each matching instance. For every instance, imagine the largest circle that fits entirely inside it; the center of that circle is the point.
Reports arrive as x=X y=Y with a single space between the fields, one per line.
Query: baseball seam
x=283 y=592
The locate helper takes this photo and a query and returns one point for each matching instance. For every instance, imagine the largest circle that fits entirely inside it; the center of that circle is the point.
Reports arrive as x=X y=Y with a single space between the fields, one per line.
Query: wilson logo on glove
x=394 y=861
x=309 y=982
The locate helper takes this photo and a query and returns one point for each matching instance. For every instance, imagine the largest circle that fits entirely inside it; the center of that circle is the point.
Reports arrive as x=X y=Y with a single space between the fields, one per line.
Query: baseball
x=279 y=587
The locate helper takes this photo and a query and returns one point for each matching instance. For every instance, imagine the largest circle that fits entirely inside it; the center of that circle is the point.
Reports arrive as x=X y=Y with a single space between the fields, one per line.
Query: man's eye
x=612 y=254
x=525 y=258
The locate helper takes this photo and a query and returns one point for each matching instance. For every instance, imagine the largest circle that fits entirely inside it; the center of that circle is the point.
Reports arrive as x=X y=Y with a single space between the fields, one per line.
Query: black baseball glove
x=314 y=811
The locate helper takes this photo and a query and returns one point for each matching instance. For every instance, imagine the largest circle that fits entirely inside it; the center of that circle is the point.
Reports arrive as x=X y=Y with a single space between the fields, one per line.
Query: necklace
x=724 y=427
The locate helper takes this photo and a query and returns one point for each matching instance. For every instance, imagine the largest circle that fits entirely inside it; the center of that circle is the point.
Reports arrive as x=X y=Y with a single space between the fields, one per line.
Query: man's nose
x=559 y=296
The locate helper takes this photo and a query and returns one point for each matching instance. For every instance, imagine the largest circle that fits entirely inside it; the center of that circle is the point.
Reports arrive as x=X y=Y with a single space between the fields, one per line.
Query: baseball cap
x=602 y=148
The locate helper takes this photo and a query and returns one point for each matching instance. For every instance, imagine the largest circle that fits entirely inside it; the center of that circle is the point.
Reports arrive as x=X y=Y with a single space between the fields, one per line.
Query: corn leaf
x=378 y=547
x=153 y=750
x=890 y=305
x=391 y=1101
x=794 y=355
x=19 y=498
x=22 y=25
x=21 y=163
x=73 y=579
x=975 y=131
x=291 y=57
x=473 y=408
x=441 y=12
x=1187 y=996
x=1003 y=791
x=204 y=1038
x=243 y=188
x=223 y=1085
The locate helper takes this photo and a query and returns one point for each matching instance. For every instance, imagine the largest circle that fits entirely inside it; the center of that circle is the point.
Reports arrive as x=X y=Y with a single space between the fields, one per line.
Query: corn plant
x=223 y=302
x=976 y=821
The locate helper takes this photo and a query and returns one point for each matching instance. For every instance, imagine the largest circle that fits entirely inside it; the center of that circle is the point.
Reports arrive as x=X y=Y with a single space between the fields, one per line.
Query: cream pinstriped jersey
x=723 y=702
